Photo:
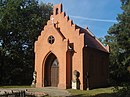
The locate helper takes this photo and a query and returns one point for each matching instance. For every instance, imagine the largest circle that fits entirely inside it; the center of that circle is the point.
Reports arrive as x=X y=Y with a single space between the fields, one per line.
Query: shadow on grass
x=105 y=95
x=98 y=95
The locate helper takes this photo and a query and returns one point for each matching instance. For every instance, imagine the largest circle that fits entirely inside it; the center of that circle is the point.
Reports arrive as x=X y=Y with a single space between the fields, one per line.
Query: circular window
x=51 y=39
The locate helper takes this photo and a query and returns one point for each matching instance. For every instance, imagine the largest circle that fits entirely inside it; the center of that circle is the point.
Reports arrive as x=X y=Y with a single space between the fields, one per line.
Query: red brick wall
x=68 y=32
x=96 y=64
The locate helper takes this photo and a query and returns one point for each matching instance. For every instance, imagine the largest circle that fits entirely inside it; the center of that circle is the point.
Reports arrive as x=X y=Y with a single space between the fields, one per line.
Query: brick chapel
x=64 y=47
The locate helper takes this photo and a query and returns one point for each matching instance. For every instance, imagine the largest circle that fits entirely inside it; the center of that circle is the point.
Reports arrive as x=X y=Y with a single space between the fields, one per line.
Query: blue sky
x=97 y=15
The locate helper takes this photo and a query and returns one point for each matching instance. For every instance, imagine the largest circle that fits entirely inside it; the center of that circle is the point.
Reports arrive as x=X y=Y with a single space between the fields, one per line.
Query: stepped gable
x=58 y=12
x=90 y=40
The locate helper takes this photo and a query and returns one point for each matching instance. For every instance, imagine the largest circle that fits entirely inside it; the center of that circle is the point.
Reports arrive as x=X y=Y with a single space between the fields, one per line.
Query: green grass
x=100 y=92
x=15 y=86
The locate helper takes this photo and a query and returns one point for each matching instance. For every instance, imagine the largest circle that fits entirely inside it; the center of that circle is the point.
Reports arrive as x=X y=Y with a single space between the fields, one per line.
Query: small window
x=56 y=11
x=51 y=39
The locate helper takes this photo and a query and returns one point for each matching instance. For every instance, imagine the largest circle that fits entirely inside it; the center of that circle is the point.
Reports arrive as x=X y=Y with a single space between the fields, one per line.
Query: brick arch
x=51 y=70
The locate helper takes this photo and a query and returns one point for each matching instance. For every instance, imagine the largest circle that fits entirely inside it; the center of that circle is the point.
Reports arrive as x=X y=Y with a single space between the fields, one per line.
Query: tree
x=118 y=39
x=21 y=21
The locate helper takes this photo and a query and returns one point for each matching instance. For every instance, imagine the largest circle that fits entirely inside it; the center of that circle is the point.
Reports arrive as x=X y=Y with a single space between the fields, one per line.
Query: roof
x=91 y=40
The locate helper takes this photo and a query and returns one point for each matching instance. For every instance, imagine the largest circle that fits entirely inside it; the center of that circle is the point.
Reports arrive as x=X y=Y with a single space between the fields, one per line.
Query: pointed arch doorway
x=51 y=71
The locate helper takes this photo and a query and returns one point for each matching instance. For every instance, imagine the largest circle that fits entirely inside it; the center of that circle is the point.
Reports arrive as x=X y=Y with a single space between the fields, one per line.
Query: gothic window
x=51 y=39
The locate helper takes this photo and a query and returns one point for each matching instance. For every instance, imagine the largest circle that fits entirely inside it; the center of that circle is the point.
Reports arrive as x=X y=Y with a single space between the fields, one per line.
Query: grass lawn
x=15 y=86
x=100 y=92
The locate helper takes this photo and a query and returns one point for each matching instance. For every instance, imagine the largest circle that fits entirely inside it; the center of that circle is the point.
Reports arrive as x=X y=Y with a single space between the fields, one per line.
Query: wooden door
x=54 y=73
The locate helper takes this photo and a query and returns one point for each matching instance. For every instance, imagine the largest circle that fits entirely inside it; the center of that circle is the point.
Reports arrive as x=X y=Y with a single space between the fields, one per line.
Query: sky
x=97 y=15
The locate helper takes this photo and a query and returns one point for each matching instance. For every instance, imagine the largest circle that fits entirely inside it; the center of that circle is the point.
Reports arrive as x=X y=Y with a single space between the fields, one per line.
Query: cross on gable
x=52 y=20
x=57 y=24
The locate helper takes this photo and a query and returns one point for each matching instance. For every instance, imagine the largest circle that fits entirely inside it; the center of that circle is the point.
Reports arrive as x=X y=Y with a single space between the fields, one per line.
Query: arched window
x=56 y=11
x=51 y=39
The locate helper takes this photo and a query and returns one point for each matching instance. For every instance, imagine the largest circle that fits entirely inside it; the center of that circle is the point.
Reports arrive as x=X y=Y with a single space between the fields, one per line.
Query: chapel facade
x=64 y=47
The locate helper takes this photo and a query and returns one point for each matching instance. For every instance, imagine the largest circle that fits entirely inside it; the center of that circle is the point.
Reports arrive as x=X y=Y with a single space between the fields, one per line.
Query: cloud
x=93 y=19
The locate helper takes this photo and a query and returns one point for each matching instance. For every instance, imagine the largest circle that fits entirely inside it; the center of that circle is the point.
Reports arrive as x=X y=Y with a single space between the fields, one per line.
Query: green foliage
x=119 y=42
x=21 y=21
x=123 y=91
